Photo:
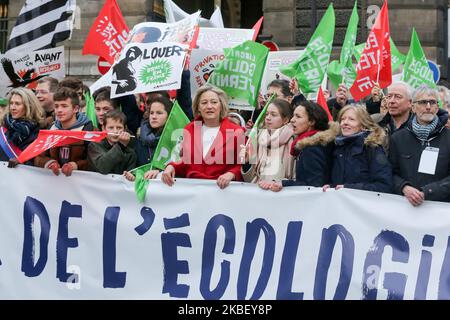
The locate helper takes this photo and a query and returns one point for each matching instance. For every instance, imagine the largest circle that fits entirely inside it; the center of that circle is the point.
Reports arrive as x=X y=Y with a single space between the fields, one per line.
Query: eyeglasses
x=432 y=102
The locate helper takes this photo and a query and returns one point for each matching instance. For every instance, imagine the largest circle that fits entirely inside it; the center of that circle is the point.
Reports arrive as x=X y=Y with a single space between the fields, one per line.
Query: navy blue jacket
x=357 y=165
x=312 y=167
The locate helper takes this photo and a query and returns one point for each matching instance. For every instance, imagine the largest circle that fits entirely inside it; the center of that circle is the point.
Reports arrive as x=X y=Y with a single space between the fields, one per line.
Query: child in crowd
x=103 y=104
x=152 y=126
x=113 y=154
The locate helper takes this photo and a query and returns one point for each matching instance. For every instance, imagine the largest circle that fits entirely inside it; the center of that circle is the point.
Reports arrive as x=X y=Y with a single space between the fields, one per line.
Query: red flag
x=323 y=103
x=54 y=138
x=108 y=34
x=375 y=62
x=256 y=27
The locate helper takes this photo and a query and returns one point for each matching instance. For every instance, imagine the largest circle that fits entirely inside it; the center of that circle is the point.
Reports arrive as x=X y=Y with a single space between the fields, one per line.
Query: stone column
x=280 y=22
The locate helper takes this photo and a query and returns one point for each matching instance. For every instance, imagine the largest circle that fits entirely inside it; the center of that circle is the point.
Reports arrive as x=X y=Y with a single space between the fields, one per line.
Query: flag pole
x=118 y=134
x=68 y=69
x=379 y=67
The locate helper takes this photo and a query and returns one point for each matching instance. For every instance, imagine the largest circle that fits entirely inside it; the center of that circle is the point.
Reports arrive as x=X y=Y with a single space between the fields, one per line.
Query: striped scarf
x=423 y=132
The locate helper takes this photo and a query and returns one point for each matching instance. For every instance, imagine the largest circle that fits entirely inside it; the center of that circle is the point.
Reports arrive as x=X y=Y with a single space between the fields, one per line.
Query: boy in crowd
x=69 y=157
x=113 y=154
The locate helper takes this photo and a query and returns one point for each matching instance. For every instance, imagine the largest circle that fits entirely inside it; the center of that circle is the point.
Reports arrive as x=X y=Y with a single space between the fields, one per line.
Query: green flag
x=169 y=145
x=336 y=73
x=252 y=141
x=240 y=73
x=167 y=150
x=344 y=69
x=416 y=70
x=309 y=69
x=397 y=58
x=141 y=184
x=90 y=109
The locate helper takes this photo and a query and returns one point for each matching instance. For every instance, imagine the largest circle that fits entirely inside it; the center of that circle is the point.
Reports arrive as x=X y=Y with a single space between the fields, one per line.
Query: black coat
x=312 y=167
x=357 y=165
x=313 y=162
x=405 y=152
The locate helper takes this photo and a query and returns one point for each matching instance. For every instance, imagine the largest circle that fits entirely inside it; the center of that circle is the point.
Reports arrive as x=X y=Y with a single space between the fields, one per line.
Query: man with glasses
x=420 y=152
x=45 y=89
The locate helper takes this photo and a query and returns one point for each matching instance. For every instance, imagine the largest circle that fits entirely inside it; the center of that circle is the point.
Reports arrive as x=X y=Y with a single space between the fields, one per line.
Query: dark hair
x=86 y=89
x=115 y=115
x=52 y=83
x=154 y=94
x=64 y=93
x=71 y=82
x=283 y=85
x=284 y=108
x=315 y=113
x=104 y=94
x=161 y=99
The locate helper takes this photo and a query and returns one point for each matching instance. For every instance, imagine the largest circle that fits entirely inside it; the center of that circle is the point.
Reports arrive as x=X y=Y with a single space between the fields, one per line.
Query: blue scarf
x=20 y=132
x=422 y=132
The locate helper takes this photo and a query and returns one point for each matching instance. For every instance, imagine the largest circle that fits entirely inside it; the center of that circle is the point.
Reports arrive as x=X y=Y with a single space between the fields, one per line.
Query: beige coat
x=273 y=159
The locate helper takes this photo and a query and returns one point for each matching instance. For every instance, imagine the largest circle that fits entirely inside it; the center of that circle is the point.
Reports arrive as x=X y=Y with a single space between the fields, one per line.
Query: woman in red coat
x=211 y=142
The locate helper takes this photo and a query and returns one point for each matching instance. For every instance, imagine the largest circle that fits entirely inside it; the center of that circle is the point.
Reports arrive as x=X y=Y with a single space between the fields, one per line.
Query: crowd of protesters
x=398 y=142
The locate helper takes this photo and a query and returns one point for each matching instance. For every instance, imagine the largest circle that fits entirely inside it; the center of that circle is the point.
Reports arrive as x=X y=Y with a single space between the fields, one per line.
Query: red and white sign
x=54 y=138
x=103 y=65
x=271 y=45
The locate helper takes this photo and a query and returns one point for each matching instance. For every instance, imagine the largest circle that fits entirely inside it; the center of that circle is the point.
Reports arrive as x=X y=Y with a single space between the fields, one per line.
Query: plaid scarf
x=423 y=132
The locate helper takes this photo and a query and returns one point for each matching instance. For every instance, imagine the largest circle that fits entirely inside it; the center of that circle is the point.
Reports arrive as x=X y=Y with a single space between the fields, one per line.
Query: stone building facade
x=289 y=23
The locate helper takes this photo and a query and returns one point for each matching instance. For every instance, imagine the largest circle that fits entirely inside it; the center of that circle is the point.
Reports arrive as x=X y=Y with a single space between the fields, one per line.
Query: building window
x=156 y=12
x=3 y=25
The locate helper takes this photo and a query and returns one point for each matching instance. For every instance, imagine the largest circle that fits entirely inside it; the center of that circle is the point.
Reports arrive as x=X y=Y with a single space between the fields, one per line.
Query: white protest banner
x=182 y=31
x=221 y=38
x=103 y=81
x=25 y=69
x=209 y=52
x=202 y=64
x=86 y=237
x=174 y=13
x=147 y=67
x=275 y=60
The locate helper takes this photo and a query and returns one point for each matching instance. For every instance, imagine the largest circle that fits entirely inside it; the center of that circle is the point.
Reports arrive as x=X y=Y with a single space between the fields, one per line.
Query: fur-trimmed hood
x=375 y=138
x=321 y=138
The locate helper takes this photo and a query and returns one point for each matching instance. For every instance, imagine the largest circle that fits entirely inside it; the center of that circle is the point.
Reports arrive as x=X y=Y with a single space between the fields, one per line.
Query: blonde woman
x=359 y=160
x=21 y=124
x=210 y=147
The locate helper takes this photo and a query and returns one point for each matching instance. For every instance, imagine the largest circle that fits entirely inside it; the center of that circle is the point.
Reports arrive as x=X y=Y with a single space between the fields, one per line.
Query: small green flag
x=141 y=184
x=90 y=109
x=240 y=73
x=253 y=134
x=416 y=70
x=167 y=150
x=344 y=69
x=397 y=58
x=310 y=68
x=169 y=145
